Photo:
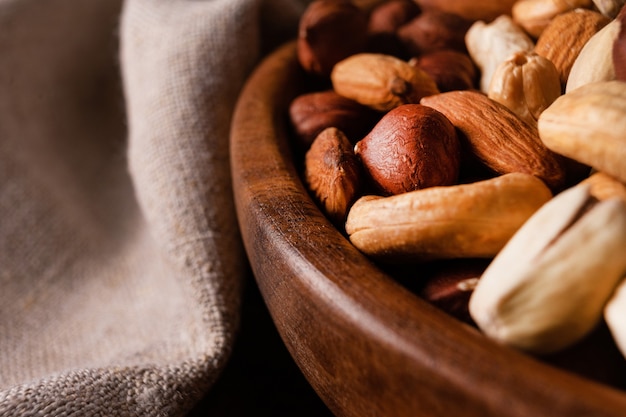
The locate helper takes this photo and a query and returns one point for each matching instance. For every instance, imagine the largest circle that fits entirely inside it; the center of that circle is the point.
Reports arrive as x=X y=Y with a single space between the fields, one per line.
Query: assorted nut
x=412 y=147
x=472 y=220
x=535 y=15
x=589 y=125
x=381 y=81
x=450 y=69
x=502 y=141
x=490 y=131
x=330 y=22
x=619 y=48
x=527 y=84
x=433 y=30
x=603 y=187
x=548 y=287
x=490 y=44
x=332 y=173
x=486 y=10
x=313 y=112
x=566 y=35
x=609 y=8
x=594 y=63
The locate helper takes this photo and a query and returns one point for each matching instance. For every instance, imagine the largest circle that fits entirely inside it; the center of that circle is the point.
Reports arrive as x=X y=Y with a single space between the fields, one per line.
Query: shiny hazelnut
x=410 y=148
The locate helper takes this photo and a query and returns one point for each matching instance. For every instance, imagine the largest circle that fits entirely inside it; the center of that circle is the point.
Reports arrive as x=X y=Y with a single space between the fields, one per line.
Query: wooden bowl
x=366 y=344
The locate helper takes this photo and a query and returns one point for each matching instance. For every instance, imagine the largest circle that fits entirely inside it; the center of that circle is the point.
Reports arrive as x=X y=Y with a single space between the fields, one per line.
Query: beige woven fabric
x=120 y=259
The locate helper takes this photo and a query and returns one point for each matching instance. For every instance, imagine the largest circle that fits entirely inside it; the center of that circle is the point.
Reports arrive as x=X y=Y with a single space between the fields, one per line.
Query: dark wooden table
x=260 y=379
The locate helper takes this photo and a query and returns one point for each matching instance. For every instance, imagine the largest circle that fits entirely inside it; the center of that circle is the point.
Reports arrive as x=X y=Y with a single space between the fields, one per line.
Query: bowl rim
x=335 y=310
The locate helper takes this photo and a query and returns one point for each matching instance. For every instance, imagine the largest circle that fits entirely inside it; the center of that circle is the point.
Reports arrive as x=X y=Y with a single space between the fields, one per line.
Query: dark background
x=261 y=379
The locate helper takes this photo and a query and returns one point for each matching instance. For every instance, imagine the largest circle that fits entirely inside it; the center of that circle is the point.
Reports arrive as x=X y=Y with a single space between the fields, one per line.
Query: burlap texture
x=120 y=258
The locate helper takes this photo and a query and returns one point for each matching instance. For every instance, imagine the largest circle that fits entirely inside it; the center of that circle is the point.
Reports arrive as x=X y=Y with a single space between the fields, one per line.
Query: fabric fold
x=120 y=260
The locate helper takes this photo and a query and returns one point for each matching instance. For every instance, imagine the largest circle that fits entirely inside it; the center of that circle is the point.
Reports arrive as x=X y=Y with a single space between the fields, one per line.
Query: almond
x=498 y=137
x=566 y=35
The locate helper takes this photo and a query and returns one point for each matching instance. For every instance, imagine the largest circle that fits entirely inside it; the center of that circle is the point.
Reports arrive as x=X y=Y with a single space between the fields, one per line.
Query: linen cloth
x=120 y=260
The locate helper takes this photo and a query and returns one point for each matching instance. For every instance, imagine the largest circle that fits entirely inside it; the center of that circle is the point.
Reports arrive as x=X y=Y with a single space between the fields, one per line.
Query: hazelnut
x=390 y=15
x=329 y=31
x=410 y=148
x=332 y=173
x=451 y=70
x=432 y=30
x=448 y=285
x=313 y=112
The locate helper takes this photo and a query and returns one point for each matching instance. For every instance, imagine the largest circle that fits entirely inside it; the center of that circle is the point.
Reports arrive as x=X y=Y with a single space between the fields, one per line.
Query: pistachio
x=548 y=286
x=615 y=316
x=566 y=35
x=595 y=60
x=609 y=8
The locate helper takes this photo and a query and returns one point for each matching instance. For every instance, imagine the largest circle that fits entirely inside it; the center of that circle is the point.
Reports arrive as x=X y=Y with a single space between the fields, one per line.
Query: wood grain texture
x=367 y=345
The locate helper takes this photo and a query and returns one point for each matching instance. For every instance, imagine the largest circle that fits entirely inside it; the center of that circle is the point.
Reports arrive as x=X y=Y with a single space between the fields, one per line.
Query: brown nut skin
x=566 y=35
x=412 y=147
x=448 y=285
x=451 y=70
x=333 y=174
x=388 y=16
x=313 y=112
x=433 y=30
x=381 y=82
x=329 y=31
x=384 y=21
x=498 y=137
x=535 y=15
